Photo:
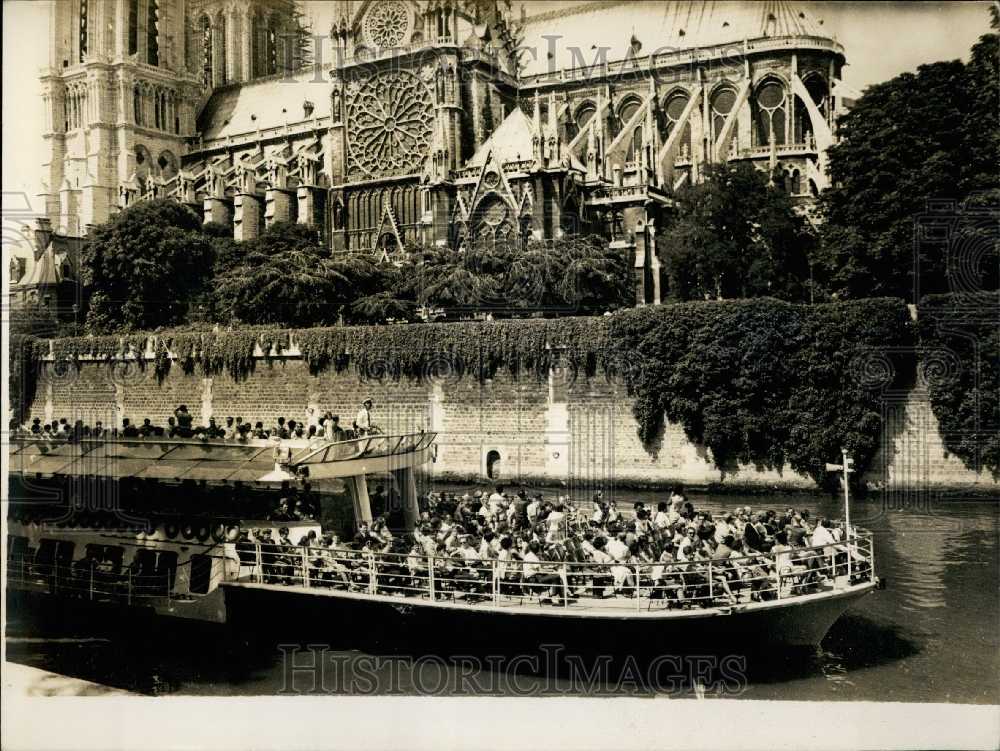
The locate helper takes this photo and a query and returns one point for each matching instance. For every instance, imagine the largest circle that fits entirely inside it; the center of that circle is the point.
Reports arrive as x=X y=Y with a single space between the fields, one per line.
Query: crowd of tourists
x=181 y=425
x=522 y=544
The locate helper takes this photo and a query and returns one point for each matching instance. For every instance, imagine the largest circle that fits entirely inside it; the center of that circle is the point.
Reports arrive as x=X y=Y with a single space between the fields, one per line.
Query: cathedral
x=443 y=122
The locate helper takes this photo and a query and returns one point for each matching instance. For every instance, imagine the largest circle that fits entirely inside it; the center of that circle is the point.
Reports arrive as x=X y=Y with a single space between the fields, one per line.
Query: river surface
x=931 y=635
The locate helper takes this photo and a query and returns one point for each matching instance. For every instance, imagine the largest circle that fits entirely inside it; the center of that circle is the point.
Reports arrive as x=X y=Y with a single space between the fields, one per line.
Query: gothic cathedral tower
x=125 y=82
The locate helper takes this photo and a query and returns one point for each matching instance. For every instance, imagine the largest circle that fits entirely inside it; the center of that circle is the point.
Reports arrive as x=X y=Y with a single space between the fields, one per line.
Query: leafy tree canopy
x=287 y=277
x=734 y=235
x=932 y=135
x=141 y=269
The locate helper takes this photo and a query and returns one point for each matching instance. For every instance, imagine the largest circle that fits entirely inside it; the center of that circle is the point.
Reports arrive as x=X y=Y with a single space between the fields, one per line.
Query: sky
x=881 y=39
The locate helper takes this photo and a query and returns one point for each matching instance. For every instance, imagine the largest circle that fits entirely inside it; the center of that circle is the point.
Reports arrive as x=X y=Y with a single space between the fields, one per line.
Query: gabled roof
x=510 y=142
x=45 y=270
x=584 y=32
x=230 y=110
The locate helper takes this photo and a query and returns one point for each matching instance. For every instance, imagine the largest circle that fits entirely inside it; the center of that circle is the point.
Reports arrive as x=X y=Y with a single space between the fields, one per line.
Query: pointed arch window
x=769 y=113
x=83 y=29
x=723 y=102
x=205 y=28
x=153 y=32
x=673 y=110
x=137 y=106
x=625 y=115
x=219 y=49
x=133 y=26
x=584 y=114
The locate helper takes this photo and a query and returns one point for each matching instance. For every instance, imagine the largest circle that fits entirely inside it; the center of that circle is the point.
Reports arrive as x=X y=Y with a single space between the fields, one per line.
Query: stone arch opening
x=493 y=460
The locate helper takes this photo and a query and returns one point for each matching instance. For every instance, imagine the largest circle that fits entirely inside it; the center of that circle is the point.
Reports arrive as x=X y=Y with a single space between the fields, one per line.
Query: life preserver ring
x=187 y=531
x=203 y=533
x=218 y=532
x=171 y=530
x=233 y=532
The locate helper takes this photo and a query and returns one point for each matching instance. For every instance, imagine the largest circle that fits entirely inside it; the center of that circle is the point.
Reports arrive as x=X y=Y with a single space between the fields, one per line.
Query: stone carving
x=386 y=24
x=390 y=123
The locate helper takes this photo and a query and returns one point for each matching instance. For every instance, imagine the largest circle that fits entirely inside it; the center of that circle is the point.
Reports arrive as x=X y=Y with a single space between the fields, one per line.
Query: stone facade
x=441 y=122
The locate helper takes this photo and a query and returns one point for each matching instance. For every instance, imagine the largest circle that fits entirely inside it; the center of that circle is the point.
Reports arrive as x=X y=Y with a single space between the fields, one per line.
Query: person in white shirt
x=724 y=528
x=312 y=419
x=533 y=510
x=662 y=518
x=617 y=548
x=821 y=535
x=556 y=521
x=363 y=422
x=533 y=573
x=504 y=558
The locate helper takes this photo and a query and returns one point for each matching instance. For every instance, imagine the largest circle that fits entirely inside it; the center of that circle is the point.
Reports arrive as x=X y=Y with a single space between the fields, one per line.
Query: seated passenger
x=128 y=429
x=185 y=421
x=282 y=513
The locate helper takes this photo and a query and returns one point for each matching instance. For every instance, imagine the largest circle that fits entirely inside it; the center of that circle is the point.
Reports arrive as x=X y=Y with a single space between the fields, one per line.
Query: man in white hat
x=363 y=422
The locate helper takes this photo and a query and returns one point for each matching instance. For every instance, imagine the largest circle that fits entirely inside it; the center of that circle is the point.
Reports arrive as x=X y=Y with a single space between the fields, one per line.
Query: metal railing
x=310 y=448
x=623 y=585
x=100 y=583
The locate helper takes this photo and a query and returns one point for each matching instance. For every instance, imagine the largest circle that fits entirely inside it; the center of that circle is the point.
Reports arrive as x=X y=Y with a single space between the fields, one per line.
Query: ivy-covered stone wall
x=741 y=394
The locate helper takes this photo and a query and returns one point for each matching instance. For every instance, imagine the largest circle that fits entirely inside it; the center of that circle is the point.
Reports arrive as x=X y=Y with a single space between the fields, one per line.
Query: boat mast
x=847 y=490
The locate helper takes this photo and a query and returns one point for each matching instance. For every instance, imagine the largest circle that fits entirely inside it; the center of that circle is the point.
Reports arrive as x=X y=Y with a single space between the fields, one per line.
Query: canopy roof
x=211 y=461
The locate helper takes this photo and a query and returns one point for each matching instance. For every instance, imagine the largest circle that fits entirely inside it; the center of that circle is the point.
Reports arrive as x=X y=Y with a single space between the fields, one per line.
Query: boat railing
x=370 y=446
x=100 y=583
x=626 y=585
x=299 y=450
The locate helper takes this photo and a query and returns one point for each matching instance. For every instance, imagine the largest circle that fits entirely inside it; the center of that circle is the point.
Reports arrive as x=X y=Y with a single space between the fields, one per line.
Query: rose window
x=386 y=24
x=391 y=122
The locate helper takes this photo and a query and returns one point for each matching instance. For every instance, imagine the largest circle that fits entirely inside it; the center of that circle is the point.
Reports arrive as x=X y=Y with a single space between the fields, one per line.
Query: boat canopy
x=216 y=460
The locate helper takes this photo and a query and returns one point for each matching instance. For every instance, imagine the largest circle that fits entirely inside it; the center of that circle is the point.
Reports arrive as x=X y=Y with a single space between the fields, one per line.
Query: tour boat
x=217 y=563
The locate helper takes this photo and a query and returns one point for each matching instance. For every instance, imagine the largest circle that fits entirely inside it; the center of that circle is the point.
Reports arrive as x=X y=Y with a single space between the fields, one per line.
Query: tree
x=143 y=268
x=287 y=277
x=929 y=135
x=573 y=274
x=734 y=235
x=589 y=276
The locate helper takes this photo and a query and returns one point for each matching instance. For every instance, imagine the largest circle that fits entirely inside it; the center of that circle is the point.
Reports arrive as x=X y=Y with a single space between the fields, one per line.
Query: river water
x=931 y=635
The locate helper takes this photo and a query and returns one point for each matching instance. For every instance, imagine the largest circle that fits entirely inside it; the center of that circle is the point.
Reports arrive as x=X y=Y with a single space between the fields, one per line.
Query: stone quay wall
x=577 y=432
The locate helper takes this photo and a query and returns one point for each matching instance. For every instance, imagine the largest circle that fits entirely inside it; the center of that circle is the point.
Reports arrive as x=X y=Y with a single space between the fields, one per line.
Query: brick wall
x=572 y=430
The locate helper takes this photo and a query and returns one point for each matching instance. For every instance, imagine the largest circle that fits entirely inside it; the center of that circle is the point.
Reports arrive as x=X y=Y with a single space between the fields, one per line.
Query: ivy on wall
x=763 y=381
x=960 y=368
x=758 y=381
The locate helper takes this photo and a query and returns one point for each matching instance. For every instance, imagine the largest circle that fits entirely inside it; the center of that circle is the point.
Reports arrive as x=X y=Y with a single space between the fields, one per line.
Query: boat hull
x=300 y=614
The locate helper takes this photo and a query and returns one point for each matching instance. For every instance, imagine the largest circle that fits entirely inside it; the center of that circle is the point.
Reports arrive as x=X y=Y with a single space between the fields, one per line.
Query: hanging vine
x=756 y=381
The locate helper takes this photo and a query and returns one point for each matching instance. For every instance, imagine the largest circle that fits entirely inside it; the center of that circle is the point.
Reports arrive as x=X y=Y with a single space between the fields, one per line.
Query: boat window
x=166 y=566
x=112 y=557
x=145 y=562
x=17 y=547
x=201 y=574
x=46 y=555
